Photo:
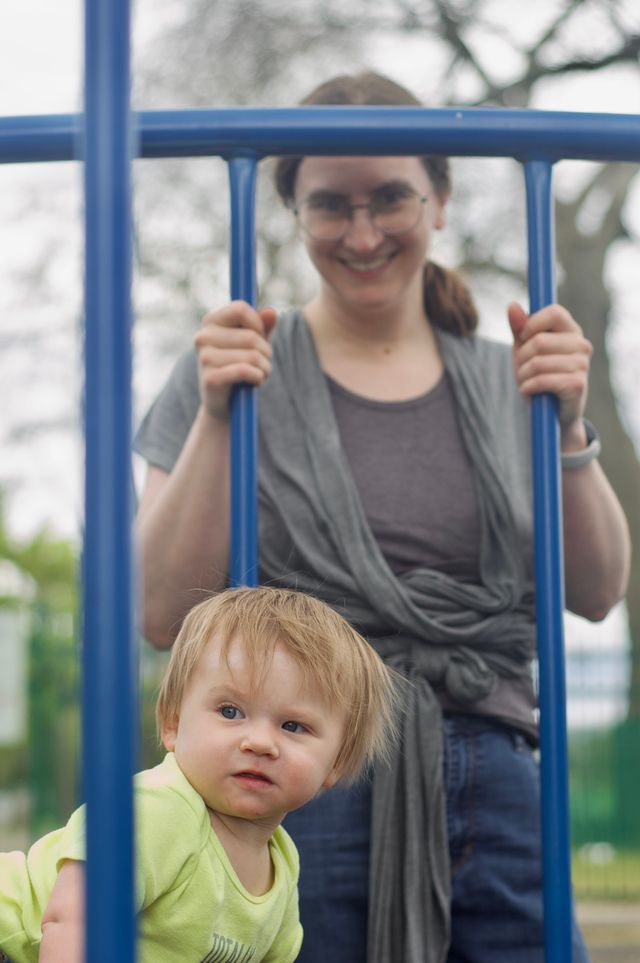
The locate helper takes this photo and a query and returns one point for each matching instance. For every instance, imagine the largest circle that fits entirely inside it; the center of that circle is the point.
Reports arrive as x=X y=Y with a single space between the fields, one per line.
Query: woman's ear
x=440 y=218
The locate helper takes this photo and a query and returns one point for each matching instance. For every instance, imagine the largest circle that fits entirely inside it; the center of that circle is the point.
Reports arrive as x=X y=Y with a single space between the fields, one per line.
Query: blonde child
x=269 y=698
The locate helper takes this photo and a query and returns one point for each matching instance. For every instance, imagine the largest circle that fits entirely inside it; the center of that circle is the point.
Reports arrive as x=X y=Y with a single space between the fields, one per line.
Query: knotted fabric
x=435 y=630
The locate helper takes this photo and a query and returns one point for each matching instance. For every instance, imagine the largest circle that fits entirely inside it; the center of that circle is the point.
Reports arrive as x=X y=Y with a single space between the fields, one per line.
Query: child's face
x=254 y=754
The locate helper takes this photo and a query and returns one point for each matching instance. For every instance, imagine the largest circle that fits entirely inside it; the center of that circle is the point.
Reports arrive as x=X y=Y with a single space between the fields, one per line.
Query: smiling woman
x=395 y=485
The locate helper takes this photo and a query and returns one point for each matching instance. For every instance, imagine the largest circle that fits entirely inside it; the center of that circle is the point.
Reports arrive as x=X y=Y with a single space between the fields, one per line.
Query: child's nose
x=260 y=739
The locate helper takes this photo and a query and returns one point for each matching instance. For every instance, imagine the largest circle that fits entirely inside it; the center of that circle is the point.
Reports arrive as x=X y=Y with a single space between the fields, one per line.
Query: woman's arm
x=63 y=919
x=597 y=546
x=183 y=530
x=183 y=520
x=552 y=355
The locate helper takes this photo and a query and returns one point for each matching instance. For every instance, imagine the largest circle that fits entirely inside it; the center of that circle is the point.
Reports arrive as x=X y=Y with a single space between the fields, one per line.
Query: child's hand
x=551 y=354
x=63 y=919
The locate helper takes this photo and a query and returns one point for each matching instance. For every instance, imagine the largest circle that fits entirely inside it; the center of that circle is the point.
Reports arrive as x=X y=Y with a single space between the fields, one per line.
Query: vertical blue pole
x=547 y=495
x=243 y=566
x=108 y=652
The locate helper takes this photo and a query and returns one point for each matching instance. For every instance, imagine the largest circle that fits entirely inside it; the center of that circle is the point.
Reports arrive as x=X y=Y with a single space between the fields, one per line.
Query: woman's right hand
x=233 y=347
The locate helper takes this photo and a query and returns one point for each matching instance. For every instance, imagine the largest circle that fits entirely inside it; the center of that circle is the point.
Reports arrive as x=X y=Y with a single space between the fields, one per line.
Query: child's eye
x=229 y=712
x=293 y=726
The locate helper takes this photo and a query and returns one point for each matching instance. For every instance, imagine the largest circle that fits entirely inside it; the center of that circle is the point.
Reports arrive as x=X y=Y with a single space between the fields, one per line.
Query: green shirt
x=192 y=906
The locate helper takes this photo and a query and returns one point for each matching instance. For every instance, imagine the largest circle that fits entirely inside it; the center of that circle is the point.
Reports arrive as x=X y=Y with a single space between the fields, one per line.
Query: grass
x=601 y=872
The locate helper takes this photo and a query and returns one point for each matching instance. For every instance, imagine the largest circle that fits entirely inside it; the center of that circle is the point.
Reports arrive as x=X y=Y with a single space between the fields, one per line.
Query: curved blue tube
x=103 y=139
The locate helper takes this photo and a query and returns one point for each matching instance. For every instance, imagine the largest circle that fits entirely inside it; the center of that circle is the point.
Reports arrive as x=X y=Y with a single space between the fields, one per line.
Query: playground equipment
x=106 y=138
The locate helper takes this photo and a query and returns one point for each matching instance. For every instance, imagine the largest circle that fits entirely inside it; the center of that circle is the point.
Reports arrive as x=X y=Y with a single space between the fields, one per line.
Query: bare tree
x=583 y=289
x=579 y=37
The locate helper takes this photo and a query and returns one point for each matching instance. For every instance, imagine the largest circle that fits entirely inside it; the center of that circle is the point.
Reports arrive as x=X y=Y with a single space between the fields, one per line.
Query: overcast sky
x=40 y=56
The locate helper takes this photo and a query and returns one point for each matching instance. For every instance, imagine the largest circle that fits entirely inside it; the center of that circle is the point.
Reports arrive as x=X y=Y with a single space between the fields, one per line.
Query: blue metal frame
x=481 y=132
x=109 y=676
x=103 y=138
x=549 y=567
x=243 y=561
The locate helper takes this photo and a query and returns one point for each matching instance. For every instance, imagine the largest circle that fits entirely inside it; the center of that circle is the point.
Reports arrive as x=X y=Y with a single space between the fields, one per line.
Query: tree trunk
x=584 y=293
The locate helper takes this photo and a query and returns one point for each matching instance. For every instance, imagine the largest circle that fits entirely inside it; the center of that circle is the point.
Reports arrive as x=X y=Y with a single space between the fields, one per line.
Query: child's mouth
x=253 y=778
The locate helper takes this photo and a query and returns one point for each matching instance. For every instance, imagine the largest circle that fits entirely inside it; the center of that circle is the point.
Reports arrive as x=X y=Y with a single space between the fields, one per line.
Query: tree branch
x=450 y=29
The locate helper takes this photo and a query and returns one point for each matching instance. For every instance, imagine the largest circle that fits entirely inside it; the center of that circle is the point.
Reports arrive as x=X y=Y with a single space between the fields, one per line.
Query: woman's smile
x=368 y=266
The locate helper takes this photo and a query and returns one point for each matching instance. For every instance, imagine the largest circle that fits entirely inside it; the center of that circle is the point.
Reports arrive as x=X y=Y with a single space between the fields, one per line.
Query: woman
x=395 y=485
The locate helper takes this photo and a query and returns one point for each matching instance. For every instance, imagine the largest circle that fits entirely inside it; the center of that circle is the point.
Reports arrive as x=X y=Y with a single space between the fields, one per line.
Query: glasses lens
x=326 y=219
x=397 y=213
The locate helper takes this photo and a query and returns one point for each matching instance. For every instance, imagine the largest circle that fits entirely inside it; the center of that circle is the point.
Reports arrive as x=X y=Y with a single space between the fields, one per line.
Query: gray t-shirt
x=392 y=447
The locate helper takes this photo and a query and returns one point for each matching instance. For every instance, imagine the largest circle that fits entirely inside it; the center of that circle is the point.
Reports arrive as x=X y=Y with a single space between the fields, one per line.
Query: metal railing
x=106 y=138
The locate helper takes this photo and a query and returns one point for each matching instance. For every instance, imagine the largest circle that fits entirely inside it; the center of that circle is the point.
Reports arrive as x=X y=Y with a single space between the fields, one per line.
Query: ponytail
x=448 y=301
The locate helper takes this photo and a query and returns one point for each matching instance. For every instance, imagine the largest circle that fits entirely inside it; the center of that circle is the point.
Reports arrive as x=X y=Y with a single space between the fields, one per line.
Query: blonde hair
x=331 y=655
x=447 y=299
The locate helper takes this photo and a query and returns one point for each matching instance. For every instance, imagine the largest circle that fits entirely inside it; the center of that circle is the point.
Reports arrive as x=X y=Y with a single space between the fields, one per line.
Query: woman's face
x=366 y=268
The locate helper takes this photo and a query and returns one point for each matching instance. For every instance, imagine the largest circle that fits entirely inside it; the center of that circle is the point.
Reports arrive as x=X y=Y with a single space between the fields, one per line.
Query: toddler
x=269 y=698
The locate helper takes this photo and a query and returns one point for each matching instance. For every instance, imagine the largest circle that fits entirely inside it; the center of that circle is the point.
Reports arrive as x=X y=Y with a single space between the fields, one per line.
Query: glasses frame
x=370 y=208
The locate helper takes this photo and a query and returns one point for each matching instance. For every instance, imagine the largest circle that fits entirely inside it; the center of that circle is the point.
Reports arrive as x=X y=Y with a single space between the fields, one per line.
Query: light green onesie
x=192 y=906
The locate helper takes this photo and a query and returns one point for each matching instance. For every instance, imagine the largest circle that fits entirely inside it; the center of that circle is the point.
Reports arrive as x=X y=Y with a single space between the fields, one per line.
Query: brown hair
x=447 y=299
x=331 y=655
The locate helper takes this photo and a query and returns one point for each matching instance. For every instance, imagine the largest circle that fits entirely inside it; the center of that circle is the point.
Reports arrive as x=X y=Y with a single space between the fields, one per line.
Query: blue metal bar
x=547 y=500
x=535 y=137
x=109 y=677
x=525 y=134
x=243 y=565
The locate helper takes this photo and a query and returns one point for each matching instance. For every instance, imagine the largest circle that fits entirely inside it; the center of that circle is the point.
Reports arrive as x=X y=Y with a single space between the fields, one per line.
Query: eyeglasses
x=326 y=217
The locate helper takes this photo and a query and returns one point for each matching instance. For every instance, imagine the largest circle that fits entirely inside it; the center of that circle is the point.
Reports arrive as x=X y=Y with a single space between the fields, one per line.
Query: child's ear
x=169 y=735
x=331 y=779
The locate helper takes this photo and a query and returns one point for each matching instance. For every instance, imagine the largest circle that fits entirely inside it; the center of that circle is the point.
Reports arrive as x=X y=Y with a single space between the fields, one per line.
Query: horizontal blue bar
x=474 y=132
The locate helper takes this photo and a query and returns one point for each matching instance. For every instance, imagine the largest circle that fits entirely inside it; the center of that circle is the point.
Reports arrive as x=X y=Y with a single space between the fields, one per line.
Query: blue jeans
x=492 y=786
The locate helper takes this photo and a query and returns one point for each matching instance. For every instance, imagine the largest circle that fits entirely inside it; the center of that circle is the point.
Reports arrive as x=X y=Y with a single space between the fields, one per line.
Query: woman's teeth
x=367 y=265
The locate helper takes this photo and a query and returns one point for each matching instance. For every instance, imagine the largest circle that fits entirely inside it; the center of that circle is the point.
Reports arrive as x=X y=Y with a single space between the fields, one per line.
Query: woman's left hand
x=551 y=354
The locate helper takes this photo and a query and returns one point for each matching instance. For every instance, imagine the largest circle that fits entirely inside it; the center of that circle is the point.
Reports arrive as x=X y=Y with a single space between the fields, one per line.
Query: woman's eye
x=332 y=205
x=391 y=199
x=293 y=727
x=229 y=712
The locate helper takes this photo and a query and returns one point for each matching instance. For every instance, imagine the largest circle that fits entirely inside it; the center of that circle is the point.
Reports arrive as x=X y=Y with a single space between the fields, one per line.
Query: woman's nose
x=362 y=233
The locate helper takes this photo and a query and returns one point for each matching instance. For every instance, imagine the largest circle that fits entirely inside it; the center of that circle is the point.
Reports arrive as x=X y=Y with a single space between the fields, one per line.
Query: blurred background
x=579 y=55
